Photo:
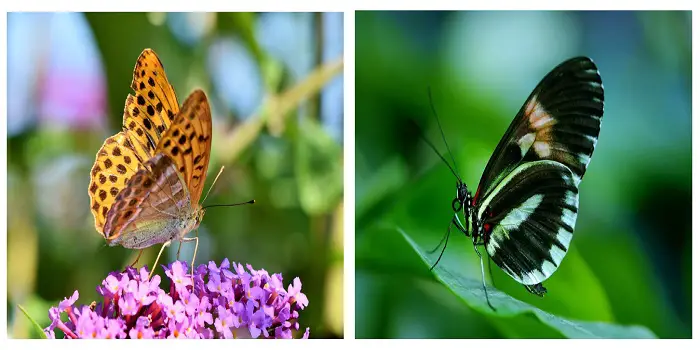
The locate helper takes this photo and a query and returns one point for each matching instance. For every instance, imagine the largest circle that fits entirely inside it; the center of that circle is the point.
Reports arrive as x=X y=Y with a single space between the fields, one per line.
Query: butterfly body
x=525 y=208
x=147 y=233
x=144 y=234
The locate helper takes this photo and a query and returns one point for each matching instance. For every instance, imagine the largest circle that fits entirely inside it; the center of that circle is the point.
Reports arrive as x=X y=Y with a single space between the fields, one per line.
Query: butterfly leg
x=459 y=225
x=158 y=258
x=446 y=238
x=488 y=262
x=455 y=221
x=196 y=245
x=137 y=259
x=488 y=258
x=483 y=278
x=177 y=257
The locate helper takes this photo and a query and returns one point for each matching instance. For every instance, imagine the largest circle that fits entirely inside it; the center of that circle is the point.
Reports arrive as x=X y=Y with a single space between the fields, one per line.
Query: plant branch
x=276 y=107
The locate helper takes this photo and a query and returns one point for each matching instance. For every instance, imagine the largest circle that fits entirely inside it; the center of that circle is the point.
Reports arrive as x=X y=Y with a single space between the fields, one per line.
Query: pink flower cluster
x=215 y=302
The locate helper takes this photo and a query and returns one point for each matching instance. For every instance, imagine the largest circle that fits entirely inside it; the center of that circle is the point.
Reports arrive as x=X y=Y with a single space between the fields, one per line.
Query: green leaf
x=36 y=325
x=472 y=293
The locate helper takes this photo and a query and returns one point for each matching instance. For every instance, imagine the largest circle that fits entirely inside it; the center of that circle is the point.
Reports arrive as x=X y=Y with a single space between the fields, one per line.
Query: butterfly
x=525 y=207
x=148 y=178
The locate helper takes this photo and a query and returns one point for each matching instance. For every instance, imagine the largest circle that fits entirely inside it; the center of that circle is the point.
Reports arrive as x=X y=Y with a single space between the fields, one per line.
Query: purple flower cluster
x=217 y=302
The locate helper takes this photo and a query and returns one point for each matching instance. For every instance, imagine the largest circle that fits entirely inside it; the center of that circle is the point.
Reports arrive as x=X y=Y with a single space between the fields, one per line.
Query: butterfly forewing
x=147 y=114
x=150 y=111
x=529 y=220
x=559 y=121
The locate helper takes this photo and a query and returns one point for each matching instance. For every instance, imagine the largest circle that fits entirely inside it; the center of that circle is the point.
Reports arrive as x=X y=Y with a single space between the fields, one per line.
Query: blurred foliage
x=282 y=156
x=627 y=273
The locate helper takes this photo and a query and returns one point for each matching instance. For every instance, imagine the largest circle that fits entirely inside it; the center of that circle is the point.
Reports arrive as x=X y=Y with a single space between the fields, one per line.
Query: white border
x=349 y=148
x=349 y=176
x=3 y=178
x=696 y=153
x=337 y=6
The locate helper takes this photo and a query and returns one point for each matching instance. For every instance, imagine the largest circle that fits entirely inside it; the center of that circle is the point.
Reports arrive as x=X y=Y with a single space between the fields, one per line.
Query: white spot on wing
x=532 y=277
x=557 y=254
x=571 y=199
x=537 y=116
x=569 y=217
x=548 y=268
x=584 y=159
x=492 y=246
x=526 y=142
x=542 y=149
x=564 y=237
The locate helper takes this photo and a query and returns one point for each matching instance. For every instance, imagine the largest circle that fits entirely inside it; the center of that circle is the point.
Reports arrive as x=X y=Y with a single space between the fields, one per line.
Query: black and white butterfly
x=524 y=210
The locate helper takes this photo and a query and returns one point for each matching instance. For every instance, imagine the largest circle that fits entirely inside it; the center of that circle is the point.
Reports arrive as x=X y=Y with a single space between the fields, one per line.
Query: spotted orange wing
x=147 y=114
x=150 y=111
x=188 y=142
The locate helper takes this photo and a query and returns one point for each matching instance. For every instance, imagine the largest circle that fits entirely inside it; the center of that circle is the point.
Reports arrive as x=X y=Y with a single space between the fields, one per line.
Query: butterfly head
x=464 y=197
x=198 y=215
x=191 y=222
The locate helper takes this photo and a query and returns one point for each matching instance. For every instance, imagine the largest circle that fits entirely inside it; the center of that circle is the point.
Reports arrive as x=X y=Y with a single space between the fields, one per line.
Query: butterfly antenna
x=252 y=201
x=212 y=184
x=99 y=250
x=222 y=205
x=452 y=168
x=101 y=247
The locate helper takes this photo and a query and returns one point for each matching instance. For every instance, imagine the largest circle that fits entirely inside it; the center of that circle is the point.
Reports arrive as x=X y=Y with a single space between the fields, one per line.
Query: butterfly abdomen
x=147 y=233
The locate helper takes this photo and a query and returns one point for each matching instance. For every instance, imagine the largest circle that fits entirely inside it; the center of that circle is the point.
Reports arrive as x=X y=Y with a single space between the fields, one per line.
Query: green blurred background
x=630 y=260
x=275 y=84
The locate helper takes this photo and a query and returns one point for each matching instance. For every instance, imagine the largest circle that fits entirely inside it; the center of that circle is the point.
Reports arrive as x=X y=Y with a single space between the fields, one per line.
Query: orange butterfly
x=148 y=178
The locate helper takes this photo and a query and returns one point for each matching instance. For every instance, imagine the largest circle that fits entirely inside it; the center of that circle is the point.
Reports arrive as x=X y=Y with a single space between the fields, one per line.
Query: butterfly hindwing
x=529 y=220
x=559 y=121
x=147 y=210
